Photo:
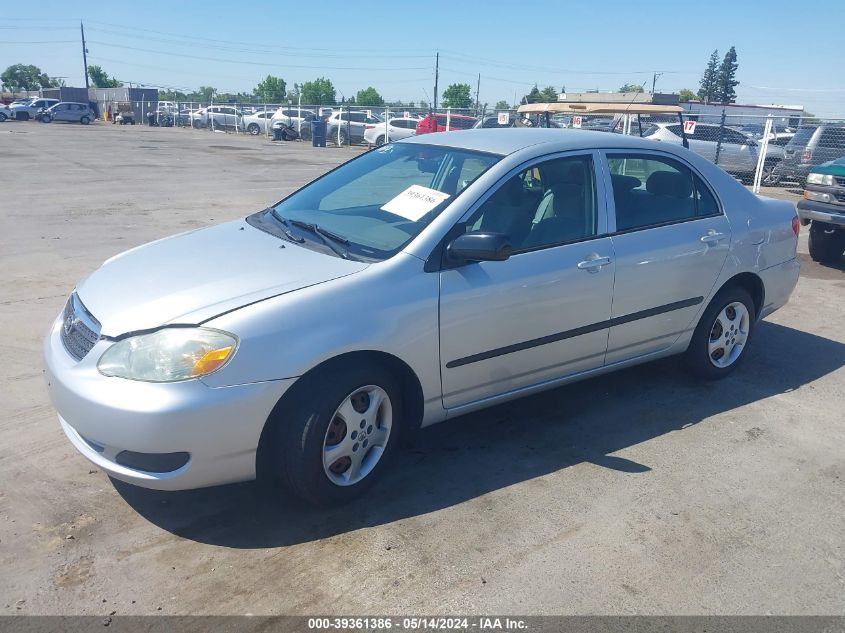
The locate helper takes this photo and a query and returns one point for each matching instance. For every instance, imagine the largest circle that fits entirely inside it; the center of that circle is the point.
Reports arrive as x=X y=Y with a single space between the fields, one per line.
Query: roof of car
x=509 y=140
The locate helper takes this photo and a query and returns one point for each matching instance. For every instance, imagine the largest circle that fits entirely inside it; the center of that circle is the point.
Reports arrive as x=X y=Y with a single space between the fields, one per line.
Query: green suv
x=824 y=206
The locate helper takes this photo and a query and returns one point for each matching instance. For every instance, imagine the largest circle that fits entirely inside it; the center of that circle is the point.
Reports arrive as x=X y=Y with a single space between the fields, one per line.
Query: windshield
x=384 y=198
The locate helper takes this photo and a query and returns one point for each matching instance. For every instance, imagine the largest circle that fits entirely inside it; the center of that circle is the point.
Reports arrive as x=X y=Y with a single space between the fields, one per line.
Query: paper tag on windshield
x=415 y=202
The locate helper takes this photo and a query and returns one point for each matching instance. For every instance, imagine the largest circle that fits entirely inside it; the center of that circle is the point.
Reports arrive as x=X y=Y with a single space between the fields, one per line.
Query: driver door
x=543 y=313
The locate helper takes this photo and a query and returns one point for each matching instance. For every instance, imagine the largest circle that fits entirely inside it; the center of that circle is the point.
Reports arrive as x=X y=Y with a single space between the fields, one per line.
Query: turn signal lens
x=211 y=361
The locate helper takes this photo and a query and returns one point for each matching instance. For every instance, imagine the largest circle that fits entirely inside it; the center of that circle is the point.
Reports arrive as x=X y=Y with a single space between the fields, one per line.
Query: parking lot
x=644 y=491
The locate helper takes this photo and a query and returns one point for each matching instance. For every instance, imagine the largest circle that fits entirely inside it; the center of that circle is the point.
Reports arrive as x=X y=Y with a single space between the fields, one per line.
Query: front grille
x=80 y=330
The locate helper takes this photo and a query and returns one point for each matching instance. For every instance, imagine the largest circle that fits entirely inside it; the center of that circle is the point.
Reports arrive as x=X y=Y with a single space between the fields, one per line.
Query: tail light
x=796 y=226
x=369 y=126
x=806 y=155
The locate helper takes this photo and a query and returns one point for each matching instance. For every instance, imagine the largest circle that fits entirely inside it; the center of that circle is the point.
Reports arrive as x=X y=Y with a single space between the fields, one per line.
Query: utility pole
x=436 y=78
x=84 y=55
x=654 y=81
x=477 y=90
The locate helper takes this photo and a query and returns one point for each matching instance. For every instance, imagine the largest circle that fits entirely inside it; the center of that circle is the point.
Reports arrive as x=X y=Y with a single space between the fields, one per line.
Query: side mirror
x=480 y=246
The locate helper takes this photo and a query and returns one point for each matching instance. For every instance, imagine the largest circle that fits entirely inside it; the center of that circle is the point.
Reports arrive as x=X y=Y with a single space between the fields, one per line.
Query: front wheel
x=253 y=129
x=85 y=120
x=332 y=441
x=3 y=117
x=46 y=118
x=722 y=335
x=826 y=242
x=380 y=140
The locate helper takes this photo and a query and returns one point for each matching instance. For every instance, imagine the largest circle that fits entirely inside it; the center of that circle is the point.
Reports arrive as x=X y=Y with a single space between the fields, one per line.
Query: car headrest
x=669 y=183
x=624 y=183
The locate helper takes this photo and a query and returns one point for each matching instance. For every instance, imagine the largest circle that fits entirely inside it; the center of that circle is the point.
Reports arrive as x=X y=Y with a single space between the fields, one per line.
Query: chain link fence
x=761 y=151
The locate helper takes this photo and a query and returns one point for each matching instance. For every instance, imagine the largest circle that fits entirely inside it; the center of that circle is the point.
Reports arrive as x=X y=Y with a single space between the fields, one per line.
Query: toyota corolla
x=420 y=281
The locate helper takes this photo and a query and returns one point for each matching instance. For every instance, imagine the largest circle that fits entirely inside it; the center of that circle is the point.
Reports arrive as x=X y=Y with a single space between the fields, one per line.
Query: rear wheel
x=722 y=335
x=332 y=441
x=380 y=140
x=3 y=117
x=253 y=129
x=827 y=242
x=46 y=118
x=85 y=120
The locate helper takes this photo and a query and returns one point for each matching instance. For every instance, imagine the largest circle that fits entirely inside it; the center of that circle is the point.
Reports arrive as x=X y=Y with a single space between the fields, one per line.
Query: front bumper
x=218 y=427
x=821 y=212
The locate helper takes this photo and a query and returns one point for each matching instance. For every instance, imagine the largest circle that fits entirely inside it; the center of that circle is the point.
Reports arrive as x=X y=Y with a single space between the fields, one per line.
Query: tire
x=344 y=137
x=3 y=117
x=85 y=120
x=196 y=124
x=23 y=116
x=308 y=430
x=826 y=242
x=722 y=335
x=46 y=118
x=253 y=129
x=380 y=140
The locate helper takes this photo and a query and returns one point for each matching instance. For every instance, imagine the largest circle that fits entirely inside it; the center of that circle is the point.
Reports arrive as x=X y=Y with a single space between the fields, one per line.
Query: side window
x=733 y=137
x=551 y=203
x=650 y=190
x=705 y=203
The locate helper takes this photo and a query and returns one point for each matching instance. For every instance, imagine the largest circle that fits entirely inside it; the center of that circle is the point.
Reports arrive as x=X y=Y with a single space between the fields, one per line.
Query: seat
x=567 y=221
x=509 y=211
x=670 y=199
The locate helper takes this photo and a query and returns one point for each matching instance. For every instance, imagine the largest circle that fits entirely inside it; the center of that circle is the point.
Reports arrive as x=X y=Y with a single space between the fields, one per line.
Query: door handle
x=593 y=263
x=713 y=237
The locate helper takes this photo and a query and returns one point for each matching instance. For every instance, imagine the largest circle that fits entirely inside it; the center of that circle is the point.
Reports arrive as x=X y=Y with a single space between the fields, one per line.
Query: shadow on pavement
x=501 y=446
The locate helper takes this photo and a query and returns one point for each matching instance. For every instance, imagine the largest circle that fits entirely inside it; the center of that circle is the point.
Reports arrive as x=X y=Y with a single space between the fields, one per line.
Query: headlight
x=168 y=355
x=820 y=179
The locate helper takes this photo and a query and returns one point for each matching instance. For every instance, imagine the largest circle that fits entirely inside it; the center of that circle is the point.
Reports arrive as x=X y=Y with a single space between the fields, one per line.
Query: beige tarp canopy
x=598 y=108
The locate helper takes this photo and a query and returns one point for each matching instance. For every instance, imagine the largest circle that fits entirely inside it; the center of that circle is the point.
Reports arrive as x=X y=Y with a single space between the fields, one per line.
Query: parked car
x=218 y=116
x=395 y=129
x=257 y=123
x=738 y=153
x=823 y=208
x=68 y=111
x=424 y=279
x=344 y=127
x=297 y=118
x=436 y=122
x=30 y=109
x=5 y=113
x=812 y=145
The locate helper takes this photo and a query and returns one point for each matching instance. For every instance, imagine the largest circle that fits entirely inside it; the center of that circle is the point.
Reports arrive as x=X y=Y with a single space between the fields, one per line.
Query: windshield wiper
x=285 y=223
x=327 y=237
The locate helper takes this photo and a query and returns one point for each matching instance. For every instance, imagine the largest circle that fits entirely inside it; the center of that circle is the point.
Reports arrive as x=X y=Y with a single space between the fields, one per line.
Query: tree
x=26 y=77
x=685 y=94
x=549 y=94
x=726 y=78
x=631 y=88
x=272 y=89
x=457 y=96
x=205 y=93
x=100 y=78
x=318 y=92
x=709 y=80
x=369 y=97
x=534 y=96
x=502 y=105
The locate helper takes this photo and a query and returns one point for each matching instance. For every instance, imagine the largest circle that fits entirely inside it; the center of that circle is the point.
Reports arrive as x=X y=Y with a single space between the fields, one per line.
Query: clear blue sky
x=789 y=52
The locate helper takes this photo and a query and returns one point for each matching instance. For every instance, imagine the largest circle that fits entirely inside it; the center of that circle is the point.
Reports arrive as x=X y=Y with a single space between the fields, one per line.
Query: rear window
x=832 y=137
x=802 y=136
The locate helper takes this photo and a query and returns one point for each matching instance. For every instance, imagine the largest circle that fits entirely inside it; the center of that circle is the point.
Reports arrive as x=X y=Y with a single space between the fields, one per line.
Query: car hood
x=195 y=276
x=833 y=168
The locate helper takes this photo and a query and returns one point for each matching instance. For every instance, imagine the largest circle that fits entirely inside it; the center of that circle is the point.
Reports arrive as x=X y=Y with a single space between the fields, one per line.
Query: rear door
x=671 y=240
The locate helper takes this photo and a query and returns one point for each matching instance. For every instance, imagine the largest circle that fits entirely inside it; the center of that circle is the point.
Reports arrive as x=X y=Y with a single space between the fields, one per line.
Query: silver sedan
x=420 y=281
